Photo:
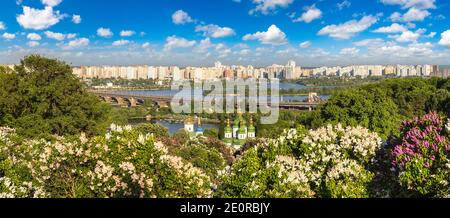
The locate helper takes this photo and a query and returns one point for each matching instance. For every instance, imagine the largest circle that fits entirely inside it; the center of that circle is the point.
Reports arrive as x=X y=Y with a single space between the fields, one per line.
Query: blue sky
x=199 y=32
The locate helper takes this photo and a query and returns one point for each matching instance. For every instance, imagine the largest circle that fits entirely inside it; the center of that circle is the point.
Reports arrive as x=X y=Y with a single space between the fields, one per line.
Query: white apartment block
x=321 y=71
x=375 y=70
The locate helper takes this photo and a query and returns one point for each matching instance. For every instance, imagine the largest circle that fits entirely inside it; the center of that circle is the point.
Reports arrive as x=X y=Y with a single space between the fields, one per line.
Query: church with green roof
x=238 y=134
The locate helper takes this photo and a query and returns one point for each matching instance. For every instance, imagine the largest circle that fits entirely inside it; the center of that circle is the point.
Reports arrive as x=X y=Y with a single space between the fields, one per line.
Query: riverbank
x=174 y=118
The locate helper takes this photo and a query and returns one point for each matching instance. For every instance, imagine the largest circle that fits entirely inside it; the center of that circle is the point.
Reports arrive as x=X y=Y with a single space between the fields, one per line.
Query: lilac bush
x=421 y=160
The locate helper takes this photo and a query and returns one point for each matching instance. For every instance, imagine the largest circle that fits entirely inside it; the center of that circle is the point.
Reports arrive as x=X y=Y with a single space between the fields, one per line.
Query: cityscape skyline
x=313 y=33
x=289 y=71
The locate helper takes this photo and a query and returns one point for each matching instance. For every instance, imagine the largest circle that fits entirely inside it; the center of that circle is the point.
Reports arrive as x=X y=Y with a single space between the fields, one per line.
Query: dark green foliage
x=201 y=156
x=158 y=131
x=380 y=107
x=274 y=130
x=339 y=81
x=370 y=109
x=41 y=96
x=211 y=133
x=182 y=136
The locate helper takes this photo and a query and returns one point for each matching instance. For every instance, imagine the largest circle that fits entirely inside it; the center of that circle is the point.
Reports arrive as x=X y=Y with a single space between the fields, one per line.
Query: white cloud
x=305 y=44
x=222 y=50
x=34 y=36
x=220 y=46
x=53 y=35
x=38 y=19
x=431 y=35
x=445 y=38
x=104 y=32
x=204 y=45
x=2 y=26
x=412 y=50
x=9 y=36
x=407 y=36
x=371 y=42
x=215 y=31
x=413 y=14
x=241 y=46
x=146 y=45
x=319 y=53
x=348 y=29
x=421 y=31
x=311 y=13
x=33 y=43
x=125 y=33
x=181 y=17
x=242 y=52
x=76 y=19
x=396 y=16
x=121 y=42
x=344 y=4
x=51 y=3
x=77 y=43
x=393 y=28
x=420 y=4
x=411 y=25
x=177 y=42
x=349 y=51
x=273 y=36
x=71 y=35
x=267 y=6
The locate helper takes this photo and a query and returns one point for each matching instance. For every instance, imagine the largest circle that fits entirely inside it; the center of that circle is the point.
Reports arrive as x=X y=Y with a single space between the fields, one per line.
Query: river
x=174 y=127
x=283 y=86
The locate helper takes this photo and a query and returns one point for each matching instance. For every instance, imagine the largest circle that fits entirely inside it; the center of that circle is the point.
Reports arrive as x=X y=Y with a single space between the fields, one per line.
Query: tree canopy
x=41 y=96
x=382 y=106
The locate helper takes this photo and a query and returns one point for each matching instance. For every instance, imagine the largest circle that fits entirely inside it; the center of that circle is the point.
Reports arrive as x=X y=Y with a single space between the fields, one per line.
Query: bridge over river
x=130 y=99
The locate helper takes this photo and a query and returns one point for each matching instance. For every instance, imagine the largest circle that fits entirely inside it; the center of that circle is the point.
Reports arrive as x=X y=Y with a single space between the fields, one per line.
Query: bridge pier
x=107 y=99
x=162 y=104
x=120 y=101
x=133 y=102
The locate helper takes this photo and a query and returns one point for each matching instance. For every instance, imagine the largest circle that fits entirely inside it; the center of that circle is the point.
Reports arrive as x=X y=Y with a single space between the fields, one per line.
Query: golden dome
x=189 y=121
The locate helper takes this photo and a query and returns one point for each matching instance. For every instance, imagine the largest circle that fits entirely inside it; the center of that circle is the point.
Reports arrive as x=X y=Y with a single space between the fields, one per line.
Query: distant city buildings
x=289 y=71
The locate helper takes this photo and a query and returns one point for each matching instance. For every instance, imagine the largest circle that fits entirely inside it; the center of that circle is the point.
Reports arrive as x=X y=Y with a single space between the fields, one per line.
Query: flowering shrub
x=328 y=162
x=421 y=160
x=338 y=158
x=122 y=163
x=202 y=155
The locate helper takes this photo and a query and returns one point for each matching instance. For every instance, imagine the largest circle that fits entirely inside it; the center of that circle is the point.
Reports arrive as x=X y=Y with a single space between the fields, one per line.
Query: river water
x=174 y=127
x=283 y=86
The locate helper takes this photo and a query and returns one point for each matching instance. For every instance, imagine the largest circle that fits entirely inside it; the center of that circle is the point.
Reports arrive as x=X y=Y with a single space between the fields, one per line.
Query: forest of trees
x=382 y=106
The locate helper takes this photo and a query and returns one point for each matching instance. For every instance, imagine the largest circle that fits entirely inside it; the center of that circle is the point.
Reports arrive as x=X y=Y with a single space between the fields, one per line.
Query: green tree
x=157 y=130
x=41 y=96
x=371 y=109
x=212 y=133
x=182 y=136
